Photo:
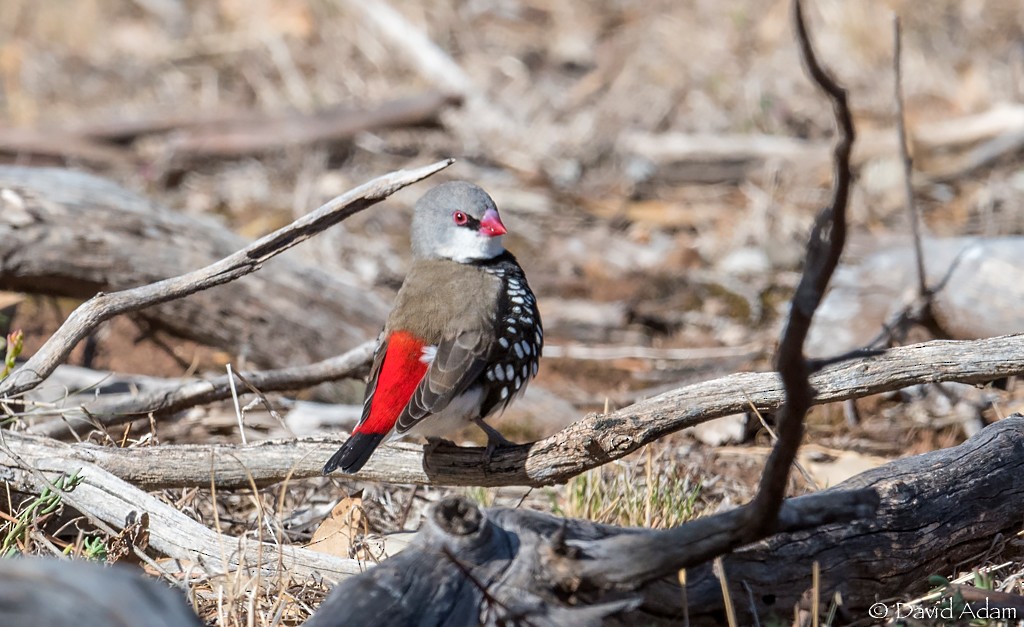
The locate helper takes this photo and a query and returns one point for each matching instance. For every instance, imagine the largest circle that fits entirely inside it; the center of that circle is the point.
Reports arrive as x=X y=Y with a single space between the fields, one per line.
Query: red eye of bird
x=460 y=218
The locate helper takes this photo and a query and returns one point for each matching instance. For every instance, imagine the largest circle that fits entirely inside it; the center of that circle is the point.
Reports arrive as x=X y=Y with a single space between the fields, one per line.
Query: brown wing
x=459 y=362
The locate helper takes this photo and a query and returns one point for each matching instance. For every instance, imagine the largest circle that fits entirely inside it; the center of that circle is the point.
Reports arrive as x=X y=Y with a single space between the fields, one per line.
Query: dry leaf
x=336 y=533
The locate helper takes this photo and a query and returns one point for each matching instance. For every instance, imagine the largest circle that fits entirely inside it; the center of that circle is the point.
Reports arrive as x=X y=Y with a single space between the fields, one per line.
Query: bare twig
x=102 y=307
x=592 y=441
x=908 y=163
x=248 y=134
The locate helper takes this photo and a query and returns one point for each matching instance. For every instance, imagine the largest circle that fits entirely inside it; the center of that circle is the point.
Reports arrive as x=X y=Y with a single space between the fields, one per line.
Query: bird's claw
x=494 y=441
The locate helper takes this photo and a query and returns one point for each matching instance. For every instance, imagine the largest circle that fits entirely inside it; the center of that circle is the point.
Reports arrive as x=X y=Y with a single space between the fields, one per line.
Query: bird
x=464 y=337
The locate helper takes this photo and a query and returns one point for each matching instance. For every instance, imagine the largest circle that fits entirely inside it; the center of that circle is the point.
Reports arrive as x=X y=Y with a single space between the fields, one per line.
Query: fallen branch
x=55 y=146
x=588 y=443
x=254 y=134
x=102 y=307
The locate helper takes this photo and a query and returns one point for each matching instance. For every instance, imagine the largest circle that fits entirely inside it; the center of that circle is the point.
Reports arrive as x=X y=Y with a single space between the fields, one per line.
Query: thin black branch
x=102 y=307
x=824 y=249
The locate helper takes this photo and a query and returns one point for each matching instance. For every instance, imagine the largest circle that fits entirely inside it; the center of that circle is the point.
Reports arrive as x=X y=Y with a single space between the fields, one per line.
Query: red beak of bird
x=491 y=225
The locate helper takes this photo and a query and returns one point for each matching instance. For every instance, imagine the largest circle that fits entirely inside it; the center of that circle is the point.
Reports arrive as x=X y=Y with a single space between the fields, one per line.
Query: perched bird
x=464 y=337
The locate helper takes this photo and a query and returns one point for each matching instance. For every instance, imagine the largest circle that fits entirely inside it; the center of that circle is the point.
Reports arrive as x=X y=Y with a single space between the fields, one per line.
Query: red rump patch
x=399 y=375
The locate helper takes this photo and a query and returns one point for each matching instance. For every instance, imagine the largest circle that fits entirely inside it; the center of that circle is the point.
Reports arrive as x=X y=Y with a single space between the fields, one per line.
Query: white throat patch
x=469 y=245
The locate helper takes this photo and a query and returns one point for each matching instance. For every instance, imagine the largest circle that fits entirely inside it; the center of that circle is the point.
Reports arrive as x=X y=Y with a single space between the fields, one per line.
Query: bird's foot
x=494 y=441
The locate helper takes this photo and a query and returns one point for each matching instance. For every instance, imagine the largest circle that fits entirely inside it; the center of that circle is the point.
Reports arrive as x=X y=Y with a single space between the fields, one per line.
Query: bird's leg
x=494 y=440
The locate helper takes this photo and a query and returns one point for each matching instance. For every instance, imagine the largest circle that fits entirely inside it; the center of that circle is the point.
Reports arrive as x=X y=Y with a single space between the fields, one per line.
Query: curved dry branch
x=588 y=443
x=105 y=306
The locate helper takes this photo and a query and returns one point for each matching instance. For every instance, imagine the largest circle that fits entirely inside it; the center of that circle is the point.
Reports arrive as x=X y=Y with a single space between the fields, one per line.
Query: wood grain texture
x=592 y=441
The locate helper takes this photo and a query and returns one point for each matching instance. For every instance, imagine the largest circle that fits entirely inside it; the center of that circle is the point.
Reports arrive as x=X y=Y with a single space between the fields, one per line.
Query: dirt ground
x=574 y=117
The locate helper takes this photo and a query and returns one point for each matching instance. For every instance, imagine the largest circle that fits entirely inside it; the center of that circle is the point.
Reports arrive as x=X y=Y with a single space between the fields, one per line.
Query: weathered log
x=588 y=443
x=37 y=591
x=936 y=510
x=72 y=234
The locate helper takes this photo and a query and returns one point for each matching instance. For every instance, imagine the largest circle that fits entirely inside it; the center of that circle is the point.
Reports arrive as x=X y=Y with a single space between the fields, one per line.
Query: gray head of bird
x=457 y=221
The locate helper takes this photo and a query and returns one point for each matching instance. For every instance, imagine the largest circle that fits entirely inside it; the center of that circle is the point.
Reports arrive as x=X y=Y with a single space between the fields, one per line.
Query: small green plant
x=94 y=548
x=46 y=503
x=15 y=344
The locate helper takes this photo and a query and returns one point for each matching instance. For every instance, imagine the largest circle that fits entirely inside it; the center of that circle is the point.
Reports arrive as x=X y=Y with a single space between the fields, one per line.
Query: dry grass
x=633 y=492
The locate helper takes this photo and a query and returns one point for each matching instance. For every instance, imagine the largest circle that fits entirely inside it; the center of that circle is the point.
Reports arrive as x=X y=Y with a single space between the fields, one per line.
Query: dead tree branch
x=260 y=133
x=173 y=397
x=588 y=443
x=102 y=307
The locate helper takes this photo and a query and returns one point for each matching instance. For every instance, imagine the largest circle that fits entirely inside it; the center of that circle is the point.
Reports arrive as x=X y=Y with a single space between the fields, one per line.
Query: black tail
x=354 y=452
